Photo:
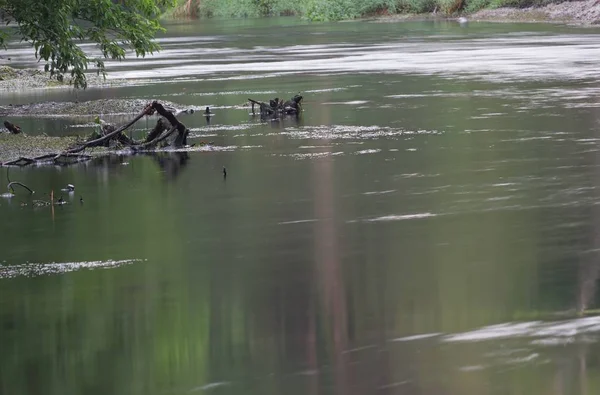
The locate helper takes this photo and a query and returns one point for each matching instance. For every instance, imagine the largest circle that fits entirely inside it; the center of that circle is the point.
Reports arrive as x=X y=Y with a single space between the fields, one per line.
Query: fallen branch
x=109 y=132
x=277 y=107
x=14 y=129
x=181 y=139
x=154 y=142
x=10 y=186
x=157 y=131
x=100 y=140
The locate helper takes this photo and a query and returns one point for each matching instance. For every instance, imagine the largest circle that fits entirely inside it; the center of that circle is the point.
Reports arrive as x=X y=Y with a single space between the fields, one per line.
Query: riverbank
x=92 y=108
x=12 y=79
x=586 y=12
x=581 y=13
x=15 y=146
x=572 y=12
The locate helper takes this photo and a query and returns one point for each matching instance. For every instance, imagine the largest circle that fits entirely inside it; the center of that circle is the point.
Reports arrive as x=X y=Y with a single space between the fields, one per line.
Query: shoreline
x=585 y=13
x=14 y=79
x=582 y=13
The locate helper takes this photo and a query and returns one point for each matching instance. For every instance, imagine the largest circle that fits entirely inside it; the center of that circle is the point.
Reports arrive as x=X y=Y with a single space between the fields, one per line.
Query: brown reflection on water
x=328 y=267
x=589 y=264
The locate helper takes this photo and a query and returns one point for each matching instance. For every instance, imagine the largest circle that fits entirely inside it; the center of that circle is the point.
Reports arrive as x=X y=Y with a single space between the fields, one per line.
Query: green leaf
x=55 y=27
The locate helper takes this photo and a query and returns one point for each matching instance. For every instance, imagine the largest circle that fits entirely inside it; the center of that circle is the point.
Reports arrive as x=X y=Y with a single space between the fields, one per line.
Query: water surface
x=427 y=226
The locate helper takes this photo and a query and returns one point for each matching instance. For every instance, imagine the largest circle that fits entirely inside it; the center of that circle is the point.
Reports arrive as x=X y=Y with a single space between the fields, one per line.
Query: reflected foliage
x=307 y=272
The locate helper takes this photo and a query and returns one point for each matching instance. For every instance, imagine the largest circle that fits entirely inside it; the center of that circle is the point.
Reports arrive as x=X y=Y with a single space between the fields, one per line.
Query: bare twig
x=10 y=186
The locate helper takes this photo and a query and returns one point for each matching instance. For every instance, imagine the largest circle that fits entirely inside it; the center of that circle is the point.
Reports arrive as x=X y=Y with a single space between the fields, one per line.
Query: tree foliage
x=316 y=10
x=57 y=28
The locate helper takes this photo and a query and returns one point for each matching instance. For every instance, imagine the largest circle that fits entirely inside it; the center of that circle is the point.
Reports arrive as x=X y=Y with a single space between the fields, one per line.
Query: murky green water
x=429 y=225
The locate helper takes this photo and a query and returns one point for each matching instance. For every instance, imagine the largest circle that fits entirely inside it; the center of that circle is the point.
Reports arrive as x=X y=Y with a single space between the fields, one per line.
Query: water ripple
x=387 y=218
x=562 y=329
x=43 y=269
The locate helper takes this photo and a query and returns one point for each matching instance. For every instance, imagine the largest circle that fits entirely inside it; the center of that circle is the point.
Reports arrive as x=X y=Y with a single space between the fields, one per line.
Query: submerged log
x=277 y=107
x=11 y=127
x=294 y=105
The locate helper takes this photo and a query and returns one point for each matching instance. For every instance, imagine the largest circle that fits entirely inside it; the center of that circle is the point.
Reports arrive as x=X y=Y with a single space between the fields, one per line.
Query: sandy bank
x=570 y=12
x=12 y=79
x=86 y=108
x=582 y=13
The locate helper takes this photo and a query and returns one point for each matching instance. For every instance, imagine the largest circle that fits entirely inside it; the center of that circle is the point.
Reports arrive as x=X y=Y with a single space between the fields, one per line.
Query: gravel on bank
x=581 y=13
x=572 y=12
x=15 y=146
x=12 y=79
x=86 y=108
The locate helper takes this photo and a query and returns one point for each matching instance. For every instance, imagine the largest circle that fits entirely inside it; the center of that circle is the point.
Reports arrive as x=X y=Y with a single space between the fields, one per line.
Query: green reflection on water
x=296 y=274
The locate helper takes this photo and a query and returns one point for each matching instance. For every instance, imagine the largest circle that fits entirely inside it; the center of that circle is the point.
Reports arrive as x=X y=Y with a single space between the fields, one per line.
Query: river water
x=429 y=225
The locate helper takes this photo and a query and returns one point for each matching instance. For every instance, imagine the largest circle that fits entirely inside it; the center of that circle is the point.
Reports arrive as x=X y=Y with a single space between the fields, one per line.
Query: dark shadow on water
x=171 y=163
x=279 y=122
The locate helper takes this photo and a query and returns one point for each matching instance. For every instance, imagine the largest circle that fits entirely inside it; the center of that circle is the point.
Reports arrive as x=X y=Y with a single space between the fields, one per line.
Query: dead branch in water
x=110 y=133
x=277 y=107
x=10 y=186
x=11 y=183
x=11 y=127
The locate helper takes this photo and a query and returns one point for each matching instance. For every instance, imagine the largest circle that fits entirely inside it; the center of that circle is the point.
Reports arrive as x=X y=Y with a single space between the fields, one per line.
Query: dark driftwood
x=14 y=129
x=110 y=132
x=106 y=137
x=277 y=107
x=181 y=139
x=160 y=127
x=154 y=143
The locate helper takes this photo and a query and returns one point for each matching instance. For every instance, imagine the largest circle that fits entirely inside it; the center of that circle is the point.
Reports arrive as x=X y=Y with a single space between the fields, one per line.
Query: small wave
x=315 y=155
x=554 y=341
x=210 y=386
x=207 y=147
x=359 y=349
x=42 y=269
x=326 y=90
x=525 y=359
x=300 y=221
x=352 y=102
x=387 y=218
x=504 y=184
x=351 y=132
x=413 y=175
x=540 y=329
x=415 y=337
x=255 y=93
x=367 y=151
x=379 y=192
x=220 y=127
